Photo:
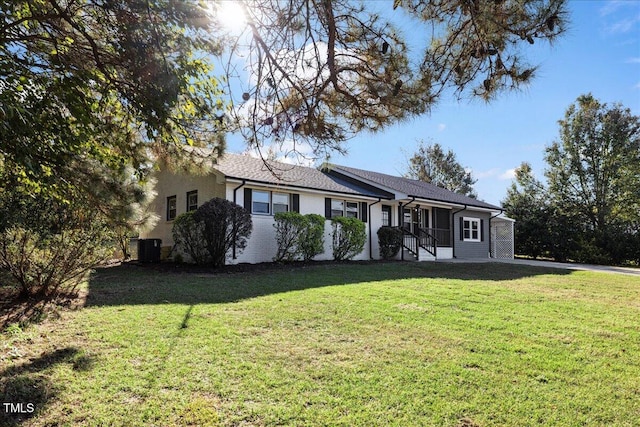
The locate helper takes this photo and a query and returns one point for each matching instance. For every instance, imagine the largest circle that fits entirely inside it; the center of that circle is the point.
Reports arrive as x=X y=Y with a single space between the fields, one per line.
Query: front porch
x=427 y=231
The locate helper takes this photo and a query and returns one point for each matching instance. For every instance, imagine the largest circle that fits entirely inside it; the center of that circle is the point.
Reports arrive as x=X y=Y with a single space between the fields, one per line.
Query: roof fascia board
x=431 y=202
x=459 y=205
x=479 y=209
x=283 y=187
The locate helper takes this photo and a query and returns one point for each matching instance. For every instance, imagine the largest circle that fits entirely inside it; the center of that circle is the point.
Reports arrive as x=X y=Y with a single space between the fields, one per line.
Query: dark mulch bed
x=171 y=267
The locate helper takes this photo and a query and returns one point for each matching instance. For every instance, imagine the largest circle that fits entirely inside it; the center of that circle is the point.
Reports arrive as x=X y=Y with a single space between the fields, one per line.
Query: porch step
x=424 y=256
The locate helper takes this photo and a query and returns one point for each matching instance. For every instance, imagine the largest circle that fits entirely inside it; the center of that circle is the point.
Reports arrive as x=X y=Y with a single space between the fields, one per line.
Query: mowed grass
x=406 y=344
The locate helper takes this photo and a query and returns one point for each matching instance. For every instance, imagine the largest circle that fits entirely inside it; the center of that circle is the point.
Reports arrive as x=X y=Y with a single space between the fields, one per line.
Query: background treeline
x=588 y=209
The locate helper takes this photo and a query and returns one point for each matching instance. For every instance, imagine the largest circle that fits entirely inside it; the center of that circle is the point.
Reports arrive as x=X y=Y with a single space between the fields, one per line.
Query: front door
x=414 y=219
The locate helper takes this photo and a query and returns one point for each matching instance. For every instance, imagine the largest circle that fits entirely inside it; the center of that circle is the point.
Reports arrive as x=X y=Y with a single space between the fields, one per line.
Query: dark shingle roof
x=253 y=169
x=414 y=188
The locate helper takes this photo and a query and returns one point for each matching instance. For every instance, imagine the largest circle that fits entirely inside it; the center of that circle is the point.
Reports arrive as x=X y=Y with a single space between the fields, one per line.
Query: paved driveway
x=551 y=264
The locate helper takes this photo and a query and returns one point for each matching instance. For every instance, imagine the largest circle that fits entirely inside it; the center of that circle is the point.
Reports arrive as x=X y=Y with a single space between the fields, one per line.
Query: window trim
x=358 y=209
x=173 y=198
x=290 y=205
x=386 y=209
x=470 y=229
x=253 y=202
x=192 y=207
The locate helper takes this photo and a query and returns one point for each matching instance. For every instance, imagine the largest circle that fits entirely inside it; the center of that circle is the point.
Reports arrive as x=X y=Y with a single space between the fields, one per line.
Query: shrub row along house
x=437 y=223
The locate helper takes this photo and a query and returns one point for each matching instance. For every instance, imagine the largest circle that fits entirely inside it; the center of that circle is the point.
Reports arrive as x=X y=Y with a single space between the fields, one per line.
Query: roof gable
x=412 y=187
x=244 y=167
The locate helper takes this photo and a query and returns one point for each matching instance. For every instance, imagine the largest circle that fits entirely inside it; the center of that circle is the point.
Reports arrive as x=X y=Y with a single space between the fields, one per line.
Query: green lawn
x=354 y=345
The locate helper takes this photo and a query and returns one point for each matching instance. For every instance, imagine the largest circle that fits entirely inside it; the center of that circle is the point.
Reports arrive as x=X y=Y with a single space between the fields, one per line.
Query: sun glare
x=229 y=14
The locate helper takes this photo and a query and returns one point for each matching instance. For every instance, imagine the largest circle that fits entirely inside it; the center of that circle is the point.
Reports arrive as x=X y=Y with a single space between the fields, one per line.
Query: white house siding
x=262 y=247
x=170 y=184
x=464 y=249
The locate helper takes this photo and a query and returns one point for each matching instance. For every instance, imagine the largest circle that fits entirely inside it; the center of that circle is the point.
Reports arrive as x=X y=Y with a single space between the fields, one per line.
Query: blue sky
x=600 y=54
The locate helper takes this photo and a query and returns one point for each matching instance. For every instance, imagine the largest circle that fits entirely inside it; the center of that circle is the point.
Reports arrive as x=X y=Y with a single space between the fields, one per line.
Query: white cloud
x=486 y=174
x=610 y=7
x=498 y=173
x=620 y=17
x=508 y=174
x=624 y=25
x=441 y=127
x=633 y=61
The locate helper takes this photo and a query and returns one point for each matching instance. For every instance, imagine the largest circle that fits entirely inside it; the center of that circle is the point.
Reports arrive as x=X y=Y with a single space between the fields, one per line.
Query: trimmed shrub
x=390 y=241
x=289 y=228
x=298 y=236
x=188 y=236
x=226 y=225
x=312 y=238
x=349 y=237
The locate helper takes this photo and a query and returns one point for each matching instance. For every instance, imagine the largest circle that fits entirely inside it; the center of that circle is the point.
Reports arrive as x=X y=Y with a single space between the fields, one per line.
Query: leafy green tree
x=324 y=70
x=527 y=203
x=594 y=173
x=431 y=164
x=92 y=92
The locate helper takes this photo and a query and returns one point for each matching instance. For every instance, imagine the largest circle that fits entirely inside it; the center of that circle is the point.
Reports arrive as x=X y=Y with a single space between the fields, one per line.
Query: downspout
x=370 y=239
x=490 y=218
x=235 y=198
x=400 y=213
x=453 y=238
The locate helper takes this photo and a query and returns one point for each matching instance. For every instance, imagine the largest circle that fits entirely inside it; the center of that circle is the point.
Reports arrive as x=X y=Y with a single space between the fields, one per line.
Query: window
x=192 y=200
x=471 y=229
x=171 y=208
x=260 y=204
x=265 y=202
x=280 y=202
x=386 y=216
x=337 y=208
x=352 y=209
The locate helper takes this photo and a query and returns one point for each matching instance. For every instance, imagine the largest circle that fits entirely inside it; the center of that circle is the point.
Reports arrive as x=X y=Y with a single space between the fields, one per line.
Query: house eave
x=446 y=204
x=307 y=189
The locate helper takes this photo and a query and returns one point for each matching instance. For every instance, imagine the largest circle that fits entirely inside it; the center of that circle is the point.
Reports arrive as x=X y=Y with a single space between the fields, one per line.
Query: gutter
x=235 y=198
x=453 y=238
x=369 y=221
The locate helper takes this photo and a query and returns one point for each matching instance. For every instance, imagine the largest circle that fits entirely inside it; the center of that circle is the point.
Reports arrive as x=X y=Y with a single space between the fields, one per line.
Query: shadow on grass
x=27 y=389
x=133 y=284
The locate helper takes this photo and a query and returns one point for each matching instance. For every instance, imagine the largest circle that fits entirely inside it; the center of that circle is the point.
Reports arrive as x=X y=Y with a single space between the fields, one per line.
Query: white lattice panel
x=502 y=240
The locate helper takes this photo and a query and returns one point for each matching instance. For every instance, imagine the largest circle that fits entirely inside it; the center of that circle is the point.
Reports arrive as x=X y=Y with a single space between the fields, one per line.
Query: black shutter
x=461 y=229
x=482 y=230
x=247 y=199
x=327 y=207
x=295 y=203
x=363 y=211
